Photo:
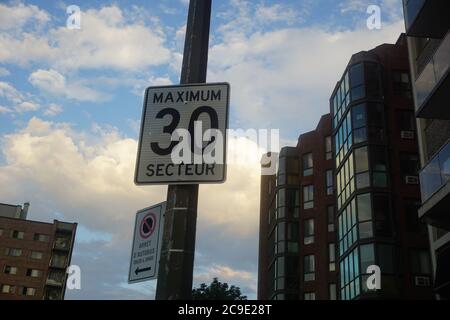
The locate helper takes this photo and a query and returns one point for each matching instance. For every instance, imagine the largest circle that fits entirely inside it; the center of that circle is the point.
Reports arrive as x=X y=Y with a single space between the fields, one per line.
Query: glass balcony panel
x=431 y=75
x=436 y=173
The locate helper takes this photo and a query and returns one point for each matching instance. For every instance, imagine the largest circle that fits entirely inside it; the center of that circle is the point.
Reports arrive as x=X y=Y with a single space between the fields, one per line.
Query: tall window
x=357 y=82
x=330 y=185
x=420 y=262
x=332 y=257
x=410 y=164
x=330 y=218
x=402 y=84
x=309 y=232
x=308 y=165
x=308 y=197
x=332 y=291
x=328 y=148
x=365 y=216
x=309 y=268
x=362 y=168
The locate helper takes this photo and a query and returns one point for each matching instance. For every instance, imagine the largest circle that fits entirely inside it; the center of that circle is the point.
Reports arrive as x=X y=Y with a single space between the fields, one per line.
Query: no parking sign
x=147 y=240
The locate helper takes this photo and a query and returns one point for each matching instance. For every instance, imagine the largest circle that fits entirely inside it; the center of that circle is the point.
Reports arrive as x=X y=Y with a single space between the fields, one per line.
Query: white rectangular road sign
x=147 y=241
x=169 y=108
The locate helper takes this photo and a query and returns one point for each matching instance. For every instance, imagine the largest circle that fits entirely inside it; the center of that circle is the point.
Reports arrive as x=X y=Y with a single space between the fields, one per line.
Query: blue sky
x=71 y=101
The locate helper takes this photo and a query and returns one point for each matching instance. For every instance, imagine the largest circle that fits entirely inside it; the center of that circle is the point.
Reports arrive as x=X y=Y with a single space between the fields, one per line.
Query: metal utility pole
x=177 y=254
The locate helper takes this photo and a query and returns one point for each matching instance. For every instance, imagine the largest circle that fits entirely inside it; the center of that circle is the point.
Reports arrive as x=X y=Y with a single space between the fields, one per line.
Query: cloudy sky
x=71 y=101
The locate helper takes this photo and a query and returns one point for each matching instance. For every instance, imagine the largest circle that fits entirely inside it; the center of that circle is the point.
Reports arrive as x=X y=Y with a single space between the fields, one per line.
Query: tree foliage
x=217 y=291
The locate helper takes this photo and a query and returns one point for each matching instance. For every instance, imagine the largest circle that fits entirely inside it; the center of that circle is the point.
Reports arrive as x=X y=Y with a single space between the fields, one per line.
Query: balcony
x=433 y=85
x=435 y=187
x=426 y=19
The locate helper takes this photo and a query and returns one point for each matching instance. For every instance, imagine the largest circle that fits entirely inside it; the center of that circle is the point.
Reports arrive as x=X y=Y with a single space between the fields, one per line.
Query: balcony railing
x=436 y=173
x=428 y=81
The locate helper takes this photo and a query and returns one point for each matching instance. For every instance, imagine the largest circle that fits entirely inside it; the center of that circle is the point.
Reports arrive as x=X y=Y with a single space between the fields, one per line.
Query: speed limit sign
x=183 y=135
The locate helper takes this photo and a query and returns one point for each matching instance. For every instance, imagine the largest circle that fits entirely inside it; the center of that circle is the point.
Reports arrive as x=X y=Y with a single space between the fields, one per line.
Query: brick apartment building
x=350 y=185
x=34 y=255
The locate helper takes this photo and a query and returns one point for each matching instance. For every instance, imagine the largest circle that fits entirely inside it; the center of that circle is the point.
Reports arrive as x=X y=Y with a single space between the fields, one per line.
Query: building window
x=347 y=227
x=362 y=168
x=332 y=291
x=308 y=165
x=10 y=270
x=292 y=237
x=359 y=123
x=34 y=273
x=36 y=255
x=41 y=237
x=379 y=167
x=309 y=268
x=406 y=121
x=309 y=232
x=332 y=257
x=329 y=181
x=25 y=291
x=308 y=197
x=310 y=296
x=420 y=262
x=328 y=148
x=410 y=165
x=6 y=288
x=365 y=216
x=17 y=234
x=349 y=274
x=402 y=84
x=330 y=218
x=357 y=82
x=13 y=252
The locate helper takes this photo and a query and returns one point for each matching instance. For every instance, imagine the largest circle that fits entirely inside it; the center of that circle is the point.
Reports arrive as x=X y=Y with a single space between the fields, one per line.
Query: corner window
x=357 y=82
x=308 y=165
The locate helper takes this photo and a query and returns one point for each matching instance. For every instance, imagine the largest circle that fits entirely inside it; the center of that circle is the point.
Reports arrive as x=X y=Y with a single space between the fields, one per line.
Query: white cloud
x=4 y=109
x=107 y=39
x=15 y=17
x=53 y=110
x=26 y=106
x=289 y=71
x=53 y=82
x=4 y=72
